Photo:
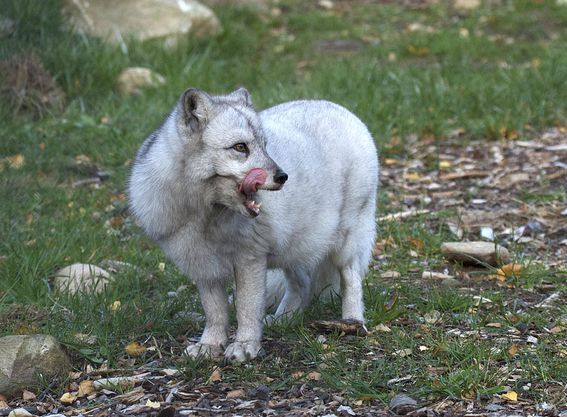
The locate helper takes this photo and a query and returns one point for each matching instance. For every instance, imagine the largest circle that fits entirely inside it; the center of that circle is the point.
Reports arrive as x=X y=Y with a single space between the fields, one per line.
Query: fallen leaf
x=115 y=306
x=314 y=376
x=68 y=398
x=237 y=393
x=134 y=349
x=495 y=325
x=432 y=317
x=86 y=388
x=469 y=394
x=512 y=350
x=170 y=371
x=297 y=375
x=412 y=176
x=391 y=161
x=153 y=404
x=557 y=329
x=510 y=396
x=507 y=271
x=416 y=243
x=508 y=133
x=216 y=376
x=418 y=50
x=382 y=328
x=16 y=161
x=28 y=395
x=402 y=353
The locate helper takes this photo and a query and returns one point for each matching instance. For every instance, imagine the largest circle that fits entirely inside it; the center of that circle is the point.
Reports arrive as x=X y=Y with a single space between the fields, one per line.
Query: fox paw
x=242 y=351
x=202 y=350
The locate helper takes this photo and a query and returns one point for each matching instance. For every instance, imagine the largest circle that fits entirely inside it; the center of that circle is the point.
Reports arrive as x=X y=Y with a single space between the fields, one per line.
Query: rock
x=261 y=392
x=132 y=80
x=24 y=357
x=7 y=27
x=390 y=275
x=402 y=404
x=141 y=19
x=20 y=412
x=256 y=4
x=467 y=4
x=81 y=278
x=479 y=253
x=546 y=409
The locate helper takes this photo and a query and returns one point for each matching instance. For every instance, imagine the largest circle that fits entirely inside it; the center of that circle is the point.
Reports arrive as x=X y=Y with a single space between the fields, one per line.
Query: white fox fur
x=317 y=230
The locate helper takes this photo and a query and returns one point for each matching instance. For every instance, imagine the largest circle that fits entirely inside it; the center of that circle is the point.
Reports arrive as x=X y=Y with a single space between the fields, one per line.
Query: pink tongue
x=255 y=178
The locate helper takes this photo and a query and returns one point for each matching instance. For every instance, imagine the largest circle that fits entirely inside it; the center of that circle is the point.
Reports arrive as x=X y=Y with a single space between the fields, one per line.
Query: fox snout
x=277 y=180
x=256 y=178
x=280 y=177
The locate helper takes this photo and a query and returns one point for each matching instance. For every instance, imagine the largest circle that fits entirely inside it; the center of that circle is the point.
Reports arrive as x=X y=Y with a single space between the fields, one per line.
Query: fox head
x=225 y=148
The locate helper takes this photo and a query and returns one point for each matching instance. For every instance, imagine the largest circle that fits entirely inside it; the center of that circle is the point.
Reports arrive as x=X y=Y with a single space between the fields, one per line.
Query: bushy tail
x=325 y=281
x=275 y=288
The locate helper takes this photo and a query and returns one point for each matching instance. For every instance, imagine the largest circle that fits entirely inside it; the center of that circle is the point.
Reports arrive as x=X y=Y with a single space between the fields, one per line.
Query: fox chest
x=204 y=256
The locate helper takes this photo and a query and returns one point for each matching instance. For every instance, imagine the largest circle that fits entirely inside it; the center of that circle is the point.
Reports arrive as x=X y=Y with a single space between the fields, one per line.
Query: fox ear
x=196 y=108
x=242 y=96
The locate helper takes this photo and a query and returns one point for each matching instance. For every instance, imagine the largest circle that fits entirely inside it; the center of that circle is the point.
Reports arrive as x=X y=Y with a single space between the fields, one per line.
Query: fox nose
x=280 y=177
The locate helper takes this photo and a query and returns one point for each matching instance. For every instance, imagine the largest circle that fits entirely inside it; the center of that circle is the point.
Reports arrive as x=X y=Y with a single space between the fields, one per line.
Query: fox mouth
x=254 y=179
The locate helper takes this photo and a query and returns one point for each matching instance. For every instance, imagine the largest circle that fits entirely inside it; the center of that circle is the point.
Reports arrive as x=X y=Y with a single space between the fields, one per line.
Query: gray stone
x=254 y=4
x=84 y=278
x=480 y=253
x=466 y=4
x=142 y=19
x=402 y=404
x=23 y=358
x=20 y=412
x=132 y=80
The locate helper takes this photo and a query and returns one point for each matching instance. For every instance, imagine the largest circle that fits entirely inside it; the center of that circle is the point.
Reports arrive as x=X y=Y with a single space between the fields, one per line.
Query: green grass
x=510 y=72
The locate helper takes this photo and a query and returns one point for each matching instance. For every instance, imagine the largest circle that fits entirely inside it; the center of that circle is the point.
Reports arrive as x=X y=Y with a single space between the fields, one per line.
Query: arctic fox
x=231 y=193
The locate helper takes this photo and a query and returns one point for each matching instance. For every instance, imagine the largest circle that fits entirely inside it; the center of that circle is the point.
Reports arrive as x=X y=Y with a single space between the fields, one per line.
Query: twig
x=402 y=215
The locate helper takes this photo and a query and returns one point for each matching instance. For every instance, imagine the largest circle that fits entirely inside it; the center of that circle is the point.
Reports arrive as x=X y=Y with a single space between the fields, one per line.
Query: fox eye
x=241 y=147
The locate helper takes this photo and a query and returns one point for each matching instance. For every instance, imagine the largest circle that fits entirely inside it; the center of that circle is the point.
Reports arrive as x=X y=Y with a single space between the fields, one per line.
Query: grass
x=496 y=69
